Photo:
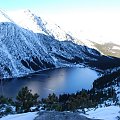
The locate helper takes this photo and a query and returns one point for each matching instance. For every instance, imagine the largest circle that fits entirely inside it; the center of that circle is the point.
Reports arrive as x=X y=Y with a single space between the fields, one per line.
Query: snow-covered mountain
x=28 y=20
x=109 y=48
x=103 y=45
x=28 y=44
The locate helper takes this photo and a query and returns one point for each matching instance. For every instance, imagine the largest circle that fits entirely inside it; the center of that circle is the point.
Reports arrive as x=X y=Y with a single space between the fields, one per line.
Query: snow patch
x=116 y=48
x=106 y=113
x=23 y=116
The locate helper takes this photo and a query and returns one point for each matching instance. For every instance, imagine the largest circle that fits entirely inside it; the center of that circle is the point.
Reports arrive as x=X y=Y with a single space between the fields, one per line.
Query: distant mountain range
x=106 y=47
x=29 y=44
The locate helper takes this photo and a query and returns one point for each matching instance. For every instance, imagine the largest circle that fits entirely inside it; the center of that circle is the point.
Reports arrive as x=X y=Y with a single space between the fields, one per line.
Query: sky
x=53 y=5
x=92 y=19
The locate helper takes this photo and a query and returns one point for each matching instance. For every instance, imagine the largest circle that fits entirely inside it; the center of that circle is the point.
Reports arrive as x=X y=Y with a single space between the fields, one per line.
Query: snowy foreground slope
x=24 y=116
x=105 y=113
x=31 y=45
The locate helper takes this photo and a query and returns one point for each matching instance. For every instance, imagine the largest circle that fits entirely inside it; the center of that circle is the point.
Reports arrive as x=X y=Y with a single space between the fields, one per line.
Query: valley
x=41 y=56
x=24 y=51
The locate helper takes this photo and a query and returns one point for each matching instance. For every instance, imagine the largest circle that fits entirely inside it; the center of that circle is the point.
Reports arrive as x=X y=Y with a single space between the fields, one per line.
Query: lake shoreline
x=58 y=81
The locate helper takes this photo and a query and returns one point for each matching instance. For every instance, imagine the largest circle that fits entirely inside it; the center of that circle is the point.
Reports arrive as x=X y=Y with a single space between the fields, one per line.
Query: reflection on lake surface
x=58 y=81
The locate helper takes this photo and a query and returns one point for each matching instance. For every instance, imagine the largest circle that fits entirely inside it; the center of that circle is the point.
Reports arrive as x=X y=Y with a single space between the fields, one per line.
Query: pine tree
x=25 y=100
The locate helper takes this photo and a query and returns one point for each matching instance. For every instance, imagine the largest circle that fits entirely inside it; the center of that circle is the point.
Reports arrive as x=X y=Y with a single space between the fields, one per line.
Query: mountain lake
x=58 y=81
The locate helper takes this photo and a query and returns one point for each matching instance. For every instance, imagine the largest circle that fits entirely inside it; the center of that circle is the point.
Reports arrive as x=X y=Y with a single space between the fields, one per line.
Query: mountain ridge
x=28 y=20
x=24 y=51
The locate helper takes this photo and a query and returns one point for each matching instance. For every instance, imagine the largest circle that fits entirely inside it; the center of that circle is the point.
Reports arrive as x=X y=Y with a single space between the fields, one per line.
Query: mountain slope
x=30 y=21
x=108 y=48
x=25 y=51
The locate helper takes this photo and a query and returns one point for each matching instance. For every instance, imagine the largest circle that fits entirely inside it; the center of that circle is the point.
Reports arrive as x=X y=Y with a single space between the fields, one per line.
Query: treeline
x=25 y=100
x=102 y=91
x=80 y=100
x=107 y=80
x=103 y=62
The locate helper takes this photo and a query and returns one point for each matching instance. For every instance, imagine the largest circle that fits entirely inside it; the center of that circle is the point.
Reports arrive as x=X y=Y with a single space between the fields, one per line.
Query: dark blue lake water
x=58 y=81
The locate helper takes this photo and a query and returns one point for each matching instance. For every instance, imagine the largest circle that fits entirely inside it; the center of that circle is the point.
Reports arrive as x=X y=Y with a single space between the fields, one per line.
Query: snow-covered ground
x=24 y=116
x=105 y=113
